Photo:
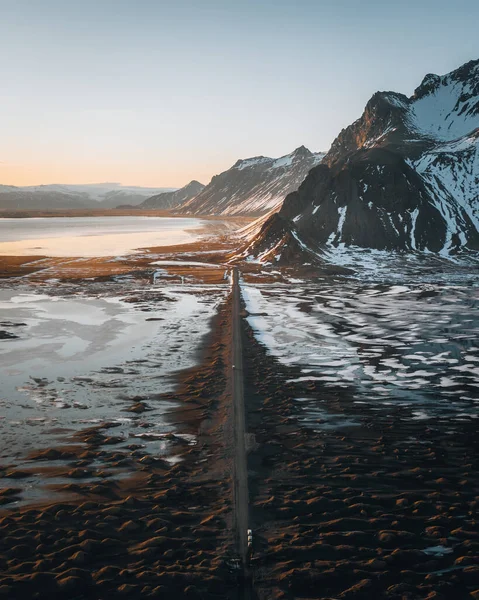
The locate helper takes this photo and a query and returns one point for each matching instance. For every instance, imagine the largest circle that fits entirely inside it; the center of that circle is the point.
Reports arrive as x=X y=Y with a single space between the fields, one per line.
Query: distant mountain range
x=59 y=196
x=253 y=186
x=405 y=176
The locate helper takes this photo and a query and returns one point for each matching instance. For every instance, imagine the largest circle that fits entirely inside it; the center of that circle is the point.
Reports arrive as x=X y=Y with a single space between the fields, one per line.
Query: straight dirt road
x=240 y=474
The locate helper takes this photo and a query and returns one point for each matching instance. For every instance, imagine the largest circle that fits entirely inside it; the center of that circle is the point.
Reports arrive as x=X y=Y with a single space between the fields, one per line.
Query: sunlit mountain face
x=254 y=186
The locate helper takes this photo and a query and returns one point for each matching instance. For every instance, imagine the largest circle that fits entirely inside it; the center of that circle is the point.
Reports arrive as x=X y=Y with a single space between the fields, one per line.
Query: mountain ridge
x=403 y=177
x=253 y=186
x=173 y=199
x=72 y=196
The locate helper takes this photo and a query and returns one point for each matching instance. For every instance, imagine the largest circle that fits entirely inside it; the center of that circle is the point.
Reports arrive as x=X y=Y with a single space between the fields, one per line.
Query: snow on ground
x=438 y=550
x=385 y=265
x=414 y=344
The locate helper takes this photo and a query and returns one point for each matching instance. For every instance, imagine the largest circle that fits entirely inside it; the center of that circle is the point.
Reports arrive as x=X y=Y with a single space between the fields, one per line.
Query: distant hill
x=62 y=196
x=174 y=198
x=253 y=186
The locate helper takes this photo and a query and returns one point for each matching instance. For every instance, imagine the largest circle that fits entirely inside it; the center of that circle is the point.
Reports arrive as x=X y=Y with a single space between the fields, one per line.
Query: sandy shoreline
x=214 y=238
x=28 y=214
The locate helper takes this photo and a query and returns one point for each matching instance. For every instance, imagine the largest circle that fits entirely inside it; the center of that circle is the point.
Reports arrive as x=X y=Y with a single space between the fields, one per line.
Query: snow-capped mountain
x=253 y=186
x=66 y=196
x=405 y=176
x=173 y=199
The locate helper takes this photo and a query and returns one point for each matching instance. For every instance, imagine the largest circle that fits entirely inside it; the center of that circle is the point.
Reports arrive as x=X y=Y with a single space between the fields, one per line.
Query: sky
x=156 y=93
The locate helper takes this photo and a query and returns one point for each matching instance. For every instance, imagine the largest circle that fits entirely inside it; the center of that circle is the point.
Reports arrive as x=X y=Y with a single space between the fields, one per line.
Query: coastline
x=111 y=212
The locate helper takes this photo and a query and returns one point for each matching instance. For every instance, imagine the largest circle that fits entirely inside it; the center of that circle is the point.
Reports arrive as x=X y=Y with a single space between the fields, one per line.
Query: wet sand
x=213 y=246
x=106 y=362
x=123 y=520
x=386 y=508
x=161 y=531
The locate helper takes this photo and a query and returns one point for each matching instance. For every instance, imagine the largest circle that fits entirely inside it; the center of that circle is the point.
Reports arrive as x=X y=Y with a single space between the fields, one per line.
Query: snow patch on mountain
x=451 y=175
x=442 y=115
x=284 y=161
x=254 y=186
x=447 y=108
x=251 y=162
x=404 y=177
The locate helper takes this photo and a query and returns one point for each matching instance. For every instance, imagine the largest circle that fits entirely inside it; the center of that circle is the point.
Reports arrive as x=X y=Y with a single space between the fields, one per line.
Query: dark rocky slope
x=405 y=176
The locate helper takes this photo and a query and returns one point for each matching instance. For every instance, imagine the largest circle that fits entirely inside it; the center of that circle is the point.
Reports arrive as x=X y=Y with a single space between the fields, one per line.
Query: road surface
x=240 y=474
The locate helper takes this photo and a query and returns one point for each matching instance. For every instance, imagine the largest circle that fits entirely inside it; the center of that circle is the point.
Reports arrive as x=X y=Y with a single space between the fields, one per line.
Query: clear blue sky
x=153 y=92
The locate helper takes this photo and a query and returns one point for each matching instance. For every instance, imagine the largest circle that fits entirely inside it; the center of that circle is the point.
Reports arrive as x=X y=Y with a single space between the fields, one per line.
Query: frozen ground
x=421 y=267
x=408 y=342
x=77 y=361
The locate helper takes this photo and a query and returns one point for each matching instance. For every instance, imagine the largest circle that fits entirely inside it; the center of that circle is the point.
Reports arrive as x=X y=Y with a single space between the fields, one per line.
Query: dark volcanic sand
x=344 y=514
x=349 y=513
x=164 y=532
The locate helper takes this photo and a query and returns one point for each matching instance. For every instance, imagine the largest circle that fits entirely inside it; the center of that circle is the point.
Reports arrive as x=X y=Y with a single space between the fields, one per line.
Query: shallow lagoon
x=77 y=361
x=93 y=236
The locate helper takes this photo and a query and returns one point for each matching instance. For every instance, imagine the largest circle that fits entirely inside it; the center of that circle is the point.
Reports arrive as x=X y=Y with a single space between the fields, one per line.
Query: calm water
x=92 y=236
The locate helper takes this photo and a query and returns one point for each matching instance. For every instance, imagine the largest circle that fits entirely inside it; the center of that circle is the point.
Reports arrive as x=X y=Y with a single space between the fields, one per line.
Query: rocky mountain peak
x=301 y=152
x=467 y=74
x=381 y=122
x=244 y=163
x=194 y=184
x=429 y=84
x=175 y=198
x=402 y=177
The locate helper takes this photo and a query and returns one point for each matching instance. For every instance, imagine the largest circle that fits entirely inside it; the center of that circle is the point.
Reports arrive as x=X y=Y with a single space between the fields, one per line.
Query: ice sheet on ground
x=438 y=550
x=410 y=342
